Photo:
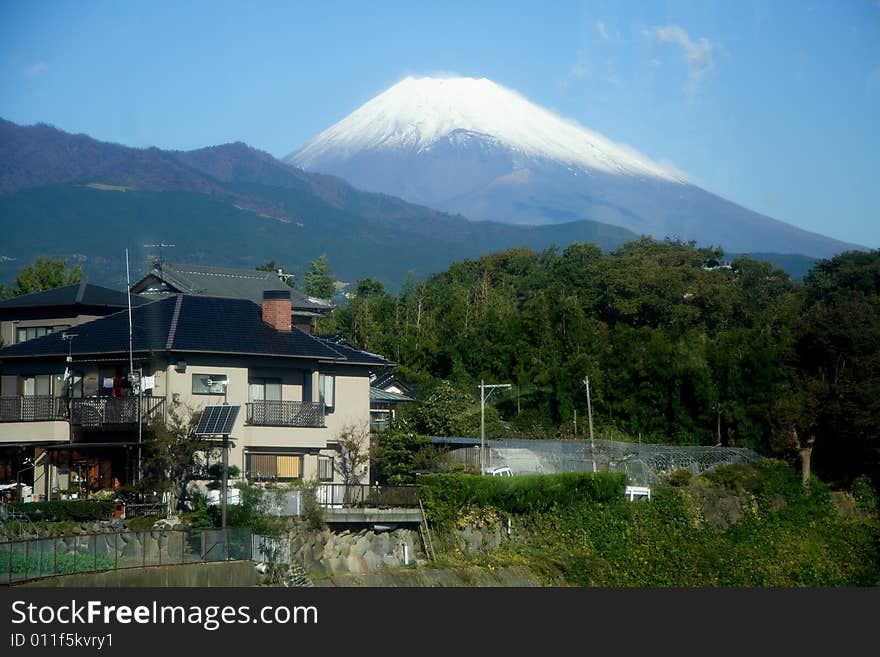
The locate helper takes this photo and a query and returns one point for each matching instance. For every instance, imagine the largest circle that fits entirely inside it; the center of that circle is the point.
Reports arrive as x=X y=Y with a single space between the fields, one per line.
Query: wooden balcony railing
x=285 y=414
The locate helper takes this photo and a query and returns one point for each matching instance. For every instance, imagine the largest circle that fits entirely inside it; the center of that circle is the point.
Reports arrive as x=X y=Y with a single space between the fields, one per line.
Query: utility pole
x=590 y=419
x=483 y=398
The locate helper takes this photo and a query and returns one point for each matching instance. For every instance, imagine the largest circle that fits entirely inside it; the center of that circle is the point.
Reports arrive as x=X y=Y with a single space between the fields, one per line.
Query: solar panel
x=217 y=420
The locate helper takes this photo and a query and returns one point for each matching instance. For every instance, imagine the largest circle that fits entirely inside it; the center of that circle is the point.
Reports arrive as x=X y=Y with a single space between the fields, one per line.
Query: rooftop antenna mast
x=161 y=246
x=128 y=291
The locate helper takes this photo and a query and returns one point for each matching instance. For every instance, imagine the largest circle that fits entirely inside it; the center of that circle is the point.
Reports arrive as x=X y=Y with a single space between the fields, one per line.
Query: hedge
x=60 y=510
x=444 y=495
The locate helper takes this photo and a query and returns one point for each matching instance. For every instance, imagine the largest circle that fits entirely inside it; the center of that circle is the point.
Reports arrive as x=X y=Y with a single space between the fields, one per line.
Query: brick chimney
x=276 y=309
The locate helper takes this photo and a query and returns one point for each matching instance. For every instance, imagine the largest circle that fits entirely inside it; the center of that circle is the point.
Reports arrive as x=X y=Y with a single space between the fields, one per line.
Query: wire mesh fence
x=643 y=463
x=29 y=559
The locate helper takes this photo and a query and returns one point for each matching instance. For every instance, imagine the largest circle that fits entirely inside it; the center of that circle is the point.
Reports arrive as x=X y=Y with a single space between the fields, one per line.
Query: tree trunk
x=806 y=452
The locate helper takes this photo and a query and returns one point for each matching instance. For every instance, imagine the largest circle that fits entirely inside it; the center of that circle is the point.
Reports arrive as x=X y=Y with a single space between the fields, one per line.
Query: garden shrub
x=61 y=510
x=444 y=495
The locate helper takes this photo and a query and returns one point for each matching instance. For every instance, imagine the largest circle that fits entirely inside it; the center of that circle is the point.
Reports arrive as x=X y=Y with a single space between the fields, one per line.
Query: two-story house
x=166 y=278
x=38 y=314
x=297 y=393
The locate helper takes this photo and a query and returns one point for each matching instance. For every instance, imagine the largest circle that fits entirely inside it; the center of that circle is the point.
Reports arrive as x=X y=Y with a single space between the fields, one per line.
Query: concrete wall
x=224 y=573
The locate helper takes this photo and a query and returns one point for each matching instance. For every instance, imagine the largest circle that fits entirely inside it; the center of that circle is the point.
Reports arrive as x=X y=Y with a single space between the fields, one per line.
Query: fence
x=30 y=559
x=97 y=412
x=285 y=414
x=33 y=408
x=643 y=463
x=338 y=496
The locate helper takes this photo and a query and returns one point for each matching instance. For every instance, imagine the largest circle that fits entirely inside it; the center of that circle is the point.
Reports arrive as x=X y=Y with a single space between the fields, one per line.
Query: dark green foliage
x=45 y=274
x=445 y=495
x=788 y=536
x=397 y=454
x=62 y=564
x=215 y=471
x=838 y=356
x=680 y=478
x=677 y=348
x=250 y=513
x=319 y=281
x=865 y=494
x=736 y=477
x=71 y=510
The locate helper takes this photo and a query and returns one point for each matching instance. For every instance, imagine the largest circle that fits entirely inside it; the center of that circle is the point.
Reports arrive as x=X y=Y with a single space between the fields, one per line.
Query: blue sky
x=771 y=104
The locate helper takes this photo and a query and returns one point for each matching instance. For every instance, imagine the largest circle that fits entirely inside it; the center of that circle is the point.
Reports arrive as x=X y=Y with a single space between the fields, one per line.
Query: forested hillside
x=678 y=347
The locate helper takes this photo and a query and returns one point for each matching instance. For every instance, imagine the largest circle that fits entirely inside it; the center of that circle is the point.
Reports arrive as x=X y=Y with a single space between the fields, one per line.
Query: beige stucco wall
x=24 y=432
x=352 y=409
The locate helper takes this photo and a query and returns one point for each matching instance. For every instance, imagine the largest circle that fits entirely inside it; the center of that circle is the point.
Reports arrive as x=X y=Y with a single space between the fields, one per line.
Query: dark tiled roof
x=385 y=378
x=185 y=323
x=377 y=394
x=347 y=351
x=80 y=294
x=224 y=282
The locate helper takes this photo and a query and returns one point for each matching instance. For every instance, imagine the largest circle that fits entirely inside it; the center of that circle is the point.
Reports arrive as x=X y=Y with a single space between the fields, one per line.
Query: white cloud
x=697 y=53
x=35 y=70
x=600 y=28
x=578 y=71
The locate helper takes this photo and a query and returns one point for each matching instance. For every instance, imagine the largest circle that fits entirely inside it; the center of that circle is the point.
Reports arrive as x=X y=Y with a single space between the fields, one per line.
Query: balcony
x=44 y=408
x=285 y=414
x=104 y=412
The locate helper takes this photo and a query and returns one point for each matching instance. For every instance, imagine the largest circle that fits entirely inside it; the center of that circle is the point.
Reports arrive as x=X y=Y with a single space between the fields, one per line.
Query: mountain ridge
x=428 y=141
x=76 y=187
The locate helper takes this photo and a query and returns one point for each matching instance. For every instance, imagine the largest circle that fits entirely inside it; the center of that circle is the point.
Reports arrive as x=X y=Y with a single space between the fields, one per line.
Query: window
x=325 y=468
x=75 y=383
x=209 y=384
x=38 y=385
x=278 y=467
x=25 y=333
x=327 y=388
x=264 y=389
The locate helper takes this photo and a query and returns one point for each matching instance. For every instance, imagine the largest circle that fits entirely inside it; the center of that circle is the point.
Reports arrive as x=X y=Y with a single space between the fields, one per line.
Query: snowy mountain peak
x=417 y=114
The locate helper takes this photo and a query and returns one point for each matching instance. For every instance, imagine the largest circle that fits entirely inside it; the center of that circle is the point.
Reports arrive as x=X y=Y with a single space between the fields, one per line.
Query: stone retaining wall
x=328 y=552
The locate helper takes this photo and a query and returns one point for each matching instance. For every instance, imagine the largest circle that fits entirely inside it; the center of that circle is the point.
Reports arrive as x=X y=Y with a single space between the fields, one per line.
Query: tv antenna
x=284 y=277
x=161 y=246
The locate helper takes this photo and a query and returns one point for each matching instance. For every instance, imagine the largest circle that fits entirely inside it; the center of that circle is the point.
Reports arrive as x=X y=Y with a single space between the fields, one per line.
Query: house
x=387 y=392
x=169 y=278
x=387 y=389
x=34 y=315
x=297 y=392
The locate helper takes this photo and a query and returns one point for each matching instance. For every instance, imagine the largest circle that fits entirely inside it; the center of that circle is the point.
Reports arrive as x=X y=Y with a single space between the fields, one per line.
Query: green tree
x=838 y=354
x=172 y=453
x=397 y=451
x=45 y=274
x=319 y=281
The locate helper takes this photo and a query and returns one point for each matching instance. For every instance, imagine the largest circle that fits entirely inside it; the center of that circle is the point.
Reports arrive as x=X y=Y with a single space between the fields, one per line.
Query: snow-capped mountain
x=474 y=147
